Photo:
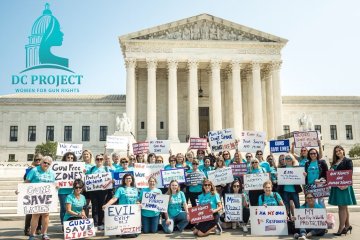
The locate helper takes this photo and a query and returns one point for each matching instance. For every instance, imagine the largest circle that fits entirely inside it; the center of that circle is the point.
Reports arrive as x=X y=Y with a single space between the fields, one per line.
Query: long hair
x=89 y=152
x=317 y=154
x=67 y=154
x=335 y=157
x=132 y=182
x=232 y=186
x=212 y=187
x=169 y=188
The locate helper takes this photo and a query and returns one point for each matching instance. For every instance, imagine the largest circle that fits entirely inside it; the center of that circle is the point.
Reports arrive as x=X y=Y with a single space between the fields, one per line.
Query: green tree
x=47 y=149
x=355 y=151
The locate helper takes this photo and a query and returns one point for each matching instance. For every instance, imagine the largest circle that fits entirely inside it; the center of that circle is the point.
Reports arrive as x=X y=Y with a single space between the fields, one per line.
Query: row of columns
x=256 y=98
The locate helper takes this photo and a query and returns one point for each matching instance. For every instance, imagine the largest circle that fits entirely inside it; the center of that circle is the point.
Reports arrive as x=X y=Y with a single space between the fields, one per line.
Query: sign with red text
x=67 y=172
x=198 y=143
x=270 y=220
x=251 y=141
x=221 y=176
x=310 y=218
x=233 y=207
x=98 y=181
x=319 y=190
x=143 y=171
x=122 y=219
x=306 y=139
x=159 y=146
x=238 y=169
x=117 y=142
x=63 y=148
x=201 y=213
x=255 y=181
x=221 y=140
x=339 y=178
x=291 y=176
x=81 y=228
x=140 y=148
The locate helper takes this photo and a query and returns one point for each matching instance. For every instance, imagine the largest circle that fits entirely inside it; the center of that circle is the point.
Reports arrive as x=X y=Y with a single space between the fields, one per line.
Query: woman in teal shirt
x=172 y=163
x=254 y=194
x=150 y=219
x=195 y=189
x=127 y=193
x=87 y=157
x=206 y=167
x=75 y=202
x=270 y=198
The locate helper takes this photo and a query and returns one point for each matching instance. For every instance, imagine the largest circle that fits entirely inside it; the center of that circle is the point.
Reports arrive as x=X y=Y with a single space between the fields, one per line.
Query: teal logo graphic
x=45 y=34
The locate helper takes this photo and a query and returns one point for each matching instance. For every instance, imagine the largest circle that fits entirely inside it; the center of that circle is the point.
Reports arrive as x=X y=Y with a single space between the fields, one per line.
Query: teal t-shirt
x=289 y=188
x=176 y=202
x=206 y=198
x=88 y=166
x=37 y=175
x=265 y=165
x=76 y=204
x=149 y=213
x=126 y=195
x=65 y=191
x=205 y=169
x=227 y=162
x=121 y=169
x=95 y=169
x=169 y=167
x=313 y=172
x=273 y=174
x=258 y=170
x=270 y=200
x=316 y=205
x=196 y=188
x=189 y=164
x=302 y=161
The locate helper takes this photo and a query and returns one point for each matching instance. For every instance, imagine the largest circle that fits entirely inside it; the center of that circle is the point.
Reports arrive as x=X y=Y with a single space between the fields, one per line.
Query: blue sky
x=321 y=57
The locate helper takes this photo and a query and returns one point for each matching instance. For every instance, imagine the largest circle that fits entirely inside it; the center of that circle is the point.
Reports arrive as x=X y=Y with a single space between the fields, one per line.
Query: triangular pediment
x=203 y=27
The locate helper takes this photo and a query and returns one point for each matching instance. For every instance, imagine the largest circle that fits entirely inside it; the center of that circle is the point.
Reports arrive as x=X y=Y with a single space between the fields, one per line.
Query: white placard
x=36 y=198
x=251 y=141
x=63 y=148
x=270 y=220
x=155 y=202
x=159 y=146
x=81 y=228
x=221 y=176
x=222 y=140
x=255 y=181
x=306 y=139
x=173 y=174
x=122 y=219
x=67 y=172
x=143 y=171
x=98 y=181
x=291 y=176
x=313 y=218
x=117 y=142
x=233 y=207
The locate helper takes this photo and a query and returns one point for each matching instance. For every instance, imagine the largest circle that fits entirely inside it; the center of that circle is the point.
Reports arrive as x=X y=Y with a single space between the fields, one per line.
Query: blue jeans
x=287 y=196
x=180 y=220
x=150 y=224
x=314 y=232
x=62 y=198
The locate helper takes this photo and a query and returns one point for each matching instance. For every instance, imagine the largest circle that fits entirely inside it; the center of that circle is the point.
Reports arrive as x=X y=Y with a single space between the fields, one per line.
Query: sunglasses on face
x=313 y=153
x=125 y=162
x=38 y=159
x=172 y=160
x=259 y=154
x=78 y=187
x=195 y=164
x=309 y=197
x=288 y=159
x=254 y=162
x=248 y=156
x=128 y=178
x=303 y=150
x=207 y=185
x=99 y=159
x=47 y=163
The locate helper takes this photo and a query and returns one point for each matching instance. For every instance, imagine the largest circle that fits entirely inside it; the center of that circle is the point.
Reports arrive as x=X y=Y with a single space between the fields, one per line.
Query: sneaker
x=101 y=228
x=45 y=237
x=302 y=238
x=217 y=231
x=296 y=236
x=233 y=225
x=245 y=229
x=32 y=237
x=308 y=235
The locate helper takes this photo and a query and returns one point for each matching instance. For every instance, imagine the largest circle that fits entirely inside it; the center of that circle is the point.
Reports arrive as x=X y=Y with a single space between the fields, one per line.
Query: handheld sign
x=177 y=174
x=118 y=176
x=251 y=141
x=201 y=213
x=255 y=181
x=98 y=181
x=140 y=148
x=279 y=146
x=81 y=228
x=291 y=176
x=310 y=218
x=35 y=198
x=67 y=172
x=117 y=142
x=63 y=148
x=159 y=146
x=222 y=140
x=122 y=219
x=233 y=207
x=194 y=178
x=339 y=178
x=155 y=202
x=221 y=176
x=238 y=169
x=319 y=190
x=143 y=171
x=306 y=139
x=198 y=143
x=270 y=220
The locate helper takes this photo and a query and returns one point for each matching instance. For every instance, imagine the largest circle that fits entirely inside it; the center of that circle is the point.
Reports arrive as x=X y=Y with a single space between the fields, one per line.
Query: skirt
x=340 y=197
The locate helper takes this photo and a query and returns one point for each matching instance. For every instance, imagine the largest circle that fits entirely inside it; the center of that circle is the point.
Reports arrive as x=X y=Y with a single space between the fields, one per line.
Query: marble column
x=256 y=96
x=269 y=104
x=130 y=93
x=250 y=99
x=275 y=73
x=173 y=101
x=263 y=102
x=215 y=98
x=151 y=99
x=236 y=104
x=193 y=99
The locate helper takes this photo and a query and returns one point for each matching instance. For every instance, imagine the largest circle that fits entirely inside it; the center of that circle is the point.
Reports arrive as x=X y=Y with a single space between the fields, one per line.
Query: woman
x=209 y=195
x=309 y=233
x=87 y=157
x=273 y=171
x=159 y=160
x=206 y=167
x=220 y=163
x=281 y=162
x=140 y=158
x=227 y=157
x=180 y=162
x=238 y=158
x=176 y=216
x=254 y=194
x=151 y=158
x=125 y=165
x=269 y=198
x=40 y=174
x=75 y=202
x=64 y=192
x=132 y=160
x=195 y=189
x=342 y=196
x=263 y=164
x=189 y=158
x=149 y=218
x=115 y=160
x=172 y=163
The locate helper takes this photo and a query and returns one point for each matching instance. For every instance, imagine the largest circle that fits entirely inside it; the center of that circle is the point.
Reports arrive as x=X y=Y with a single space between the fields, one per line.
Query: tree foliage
x=355 y=151
x=47 y=149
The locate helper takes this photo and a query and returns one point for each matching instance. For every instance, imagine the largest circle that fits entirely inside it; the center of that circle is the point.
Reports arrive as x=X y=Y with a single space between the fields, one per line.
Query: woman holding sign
x=254 y=194
x=270 y=198
x=172 y=163
x=344 y=195
x=75 y=202
x=209 y=196
x=195 y=189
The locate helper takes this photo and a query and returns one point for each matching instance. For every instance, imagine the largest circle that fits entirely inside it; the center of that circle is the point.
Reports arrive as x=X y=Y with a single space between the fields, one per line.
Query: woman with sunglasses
x=342 y=196
x=206 y=167
x=124 y=165
x=195 y=190
x=281 y=160
x=172 y=163
x=40 y=174
x=227 y=157
x=259 y=156
x=254 y=194
x=75 y=202
x=178 y=213
x=304 y=153
x=273 y=171
x=209 y=195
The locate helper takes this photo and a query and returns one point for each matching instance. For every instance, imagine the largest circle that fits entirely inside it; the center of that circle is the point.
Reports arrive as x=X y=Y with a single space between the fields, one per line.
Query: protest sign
x=159 y=146
x=63 y=148
x=67 y=172
x=173 y=174
x=118 y=176
x=306 y=139
x=233 y=207
x=98 y=181
x=198 y=143
x=122 y=219
x=310 y=218
x=221 y=176
x=238 y=169
x=270 y=220
x=36 y=198
x=251 y=141
x=291 y=176
x=117 y=142
x=339 y=178
x=221 y=140
x=143 y=171
x=279 y=146
x=255 y=181
x=81 y=228
x=194 y=178
x=140 y=148
x=319 y=191
x=201 y=213
x=155 y=202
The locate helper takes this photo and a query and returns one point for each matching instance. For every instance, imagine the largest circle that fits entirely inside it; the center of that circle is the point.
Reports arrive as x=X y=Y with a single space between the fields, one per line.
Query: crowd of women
x=75 y=202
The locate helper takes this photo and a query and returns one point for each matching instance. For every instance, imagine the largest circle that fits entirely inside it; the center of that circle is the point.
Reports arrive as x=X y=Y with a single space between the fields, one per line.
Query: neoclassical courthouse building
x=184 y=78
